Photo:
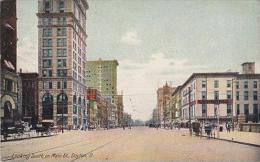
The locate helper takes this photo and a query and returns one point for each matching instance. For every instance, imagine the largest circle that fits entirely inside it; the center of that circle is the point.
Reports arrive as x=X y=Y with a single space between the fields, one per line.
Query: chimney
x=248 y=68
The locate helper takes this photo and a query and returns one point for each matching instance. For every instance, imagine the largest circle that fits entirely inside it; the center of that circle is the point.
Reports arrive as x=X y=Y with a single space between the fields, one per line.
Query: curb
x=20 y=139
x=222 y=139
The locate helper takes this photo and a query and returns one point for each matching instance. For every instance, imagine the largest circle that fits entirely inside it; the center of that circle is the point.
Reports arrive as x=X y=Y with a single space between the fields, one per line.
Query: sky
x=156 y=41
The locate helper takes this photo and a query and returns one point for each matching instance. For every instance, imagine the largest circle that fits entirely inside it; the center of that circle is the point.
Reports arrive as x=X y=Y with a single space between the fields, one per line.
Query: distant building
x=164 y=104
x=248 y=68
x=29 y=97
x=62 y=58
x=92 y=107
x=102 y=75
x=120 y=109
x=176 y=104
x=247 y=94
x=8 y=81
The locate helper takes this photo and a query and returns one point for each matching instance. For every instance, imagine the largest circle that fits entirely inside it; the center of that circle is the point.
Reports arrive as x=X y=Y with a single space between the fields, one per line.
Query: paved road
x=137 y=144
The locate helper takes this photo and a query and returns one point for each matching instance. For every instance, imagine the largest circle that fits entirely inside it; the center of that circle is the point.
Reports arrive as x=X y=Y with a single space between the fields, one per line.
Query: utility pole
x=189 y=113
x=62 y=115
x=218 y=114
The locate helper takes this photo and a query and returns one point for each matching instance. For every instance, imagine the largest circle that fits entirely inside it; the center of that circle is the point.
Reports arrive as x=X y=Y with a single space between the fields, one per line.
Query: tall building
x=164 y=103
x=102 y=75
x=8 y=81
x=62 y=58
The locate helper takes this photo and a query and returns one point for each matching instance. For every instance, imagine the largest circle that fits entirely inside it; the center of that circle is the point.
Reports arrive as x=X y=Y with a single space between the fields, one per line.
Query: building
x=61 y=61
x=102 y=75
x=246 y=94
x=92 y=107
x=120 y=109
x=207 y=96
x=29 y=96
x=8 y=82
x=164 y=104
x=176 y=104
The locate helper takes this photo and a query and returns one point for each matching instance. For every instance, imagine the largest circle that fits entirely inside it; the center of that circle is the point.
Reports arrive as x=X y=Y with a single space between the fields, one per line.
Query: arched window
x=47 y=106
x=62 y=103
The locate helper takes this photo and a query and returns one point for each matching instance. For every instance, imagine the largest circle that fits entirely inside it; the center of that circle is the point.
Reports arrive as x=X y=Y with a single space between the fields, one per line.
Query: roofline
x=248 y=63
x=208 y=74
x=103 y=61
x=176 y=90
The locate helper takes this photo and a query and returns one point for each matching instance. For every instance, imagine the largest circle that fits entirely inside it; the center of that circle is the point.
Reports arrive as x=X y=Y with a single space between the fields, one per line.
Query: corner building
x=62 y=58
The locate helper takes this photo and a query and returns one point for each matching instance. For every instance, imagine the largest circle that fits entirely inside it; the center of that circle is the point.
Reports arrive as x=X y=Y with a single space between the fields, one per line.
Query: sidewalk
x=244 y=137
x=249 y=138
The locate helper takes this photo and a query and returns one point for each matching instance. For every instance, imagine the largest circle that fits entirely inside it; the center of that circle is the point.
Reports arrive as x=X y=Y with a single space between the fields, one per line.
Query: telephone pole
x=189 y=113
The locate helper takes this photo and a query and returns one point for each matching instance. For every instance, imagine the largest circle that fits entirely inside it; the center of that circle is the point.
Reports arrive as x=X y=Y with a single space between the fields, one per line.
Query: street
x=137 y=144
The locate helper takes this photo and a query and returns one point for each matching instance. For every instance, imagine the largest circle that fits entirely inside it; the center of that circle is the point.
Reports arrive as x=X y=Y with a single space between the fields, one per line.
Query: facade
x=8 y=82
x=102 y=75
x=209 y=95
x=120 y=109
x=176 y=104
x=29 y=97
x=92 y=107
x=246 y=94
x=62 y=58
x=164 y=104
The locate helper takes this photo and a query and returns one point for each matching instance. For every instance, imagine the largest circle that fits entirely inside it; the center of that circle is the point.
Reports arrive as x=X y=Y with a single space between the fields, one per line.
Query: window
x=237 y=84
x=47 y=85
x=47 y=32
x=228 y=109
x=255 y=84
x=61 y=72
x=58 y=85
x=47 y=73
x=216 y=95
x=61 y=52
x=47 y=6
x=203 y=84
x=47 y=63
x=237 y=95
x=62 y=21
x=204 y=95
x=61 y=42
x=61 y=6
x=216 y=83
x=204 y=109
x=61 y=32
x=245 y=95
x=47 y=42
x=47 y=53
x=245 y=84
x=255 y=109
x=238 y=109
x=8 y=85
x=228 y=83
x=255 y=95
x=61 y=63
x=228 y=95
x=246 y=109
